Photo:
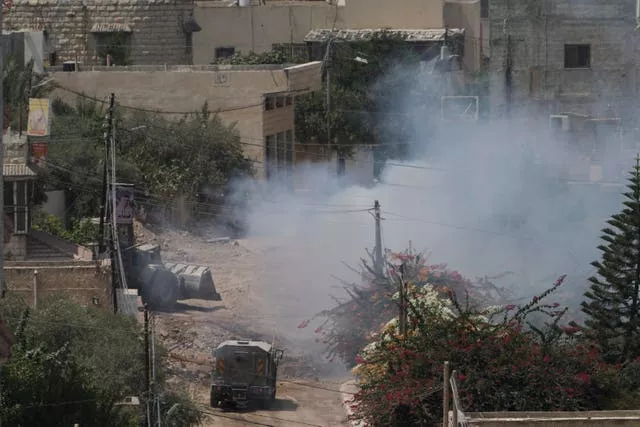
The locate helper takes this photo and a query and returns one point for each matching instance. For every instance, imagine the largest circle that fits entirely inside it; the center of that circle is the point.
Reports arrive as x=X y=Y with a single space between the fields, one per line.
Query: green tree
x=167 y=160
x=73 y=364
x=613 y=300
x=19 y=84
x=363 y=97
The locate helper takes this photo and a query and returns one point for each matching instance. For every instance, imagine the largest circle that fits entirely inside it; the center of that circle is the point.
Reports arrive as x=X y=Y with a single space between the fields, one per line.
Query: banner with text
x=38 y=124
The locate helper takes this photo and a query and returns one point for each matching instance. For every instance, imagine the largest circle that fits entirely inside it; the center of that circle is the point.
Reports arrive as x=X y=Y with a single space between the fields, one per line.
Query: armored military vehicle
x=245 y=373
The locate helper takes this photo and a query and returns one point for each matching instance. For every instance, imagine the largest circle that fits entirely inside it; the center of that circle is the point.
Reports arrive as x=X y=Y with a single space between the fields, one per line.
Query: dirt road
x=299 y=403
x=305 y=394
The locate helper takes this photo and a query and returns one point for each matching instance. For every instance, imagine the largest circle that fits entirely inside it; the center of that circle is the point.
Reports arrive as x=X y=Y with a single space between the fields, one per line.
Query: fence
x=454 y=416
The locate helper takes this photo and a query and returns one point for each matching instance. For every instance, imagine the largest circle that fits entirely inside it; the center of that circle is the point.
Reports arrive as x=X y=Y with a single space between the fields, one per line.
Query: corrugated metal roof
x=432 y=35
x=17 y=170
x=111 y=27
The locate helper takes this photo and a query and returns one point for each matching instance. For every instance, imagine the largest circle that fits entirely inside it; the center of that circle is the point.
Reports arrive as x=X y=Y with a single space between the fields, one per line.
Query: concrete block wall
x=539 y=29
x=553 y=419
x=84 y=284
x=157 y=27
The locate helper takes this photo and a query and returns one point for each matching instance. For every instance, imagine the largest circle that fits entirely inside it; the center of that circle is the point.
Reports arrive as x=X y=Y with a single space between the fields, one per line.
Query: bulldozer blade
x=196 y=281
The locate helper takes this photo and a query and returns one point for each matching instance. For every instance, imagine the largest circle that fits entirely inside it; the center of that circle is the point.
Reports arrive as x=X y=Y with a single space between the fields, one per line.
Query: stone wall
x=155 y=28
x=16 y=247
x=83 y=283
x=539 y=30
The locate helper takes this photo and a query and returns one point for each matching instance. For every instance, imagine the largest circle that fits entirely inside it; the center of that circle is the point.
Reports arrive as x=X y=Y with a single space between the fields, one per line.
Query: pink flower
x=510 y=307
x=583 y=377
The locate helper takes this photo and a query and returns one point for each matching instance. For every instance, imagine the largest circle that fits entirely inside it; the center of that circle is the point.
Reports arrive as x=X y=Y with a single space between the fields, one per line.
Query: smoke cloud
x=483 y=197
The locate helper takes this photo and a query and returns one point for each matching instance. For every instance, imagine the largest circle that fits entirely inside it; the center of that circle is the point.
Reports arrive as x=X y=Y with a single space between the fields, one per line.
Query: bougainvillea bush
x=504 y=362
x=349 y=326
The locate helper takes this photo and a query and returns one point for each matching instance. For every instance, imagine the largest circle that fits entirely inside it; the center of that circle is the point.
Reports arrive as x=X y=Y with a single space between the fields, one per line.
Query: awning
x=18 y=171
x=431 y=35
x=112 y=27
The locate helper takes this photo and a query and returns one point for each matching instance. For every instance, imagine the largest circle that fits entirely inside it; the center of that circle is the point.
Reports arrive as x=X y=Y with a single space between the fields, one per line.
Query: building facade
x=125 y=31
x=265 y=26
x=573 y=66
x=555 y=56
x=258 y=100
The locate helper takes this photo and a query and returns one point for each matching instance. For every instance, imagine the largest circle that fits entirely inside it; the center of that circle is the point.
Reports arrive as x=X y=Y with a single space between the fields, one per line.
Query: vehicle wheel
x=163 y=293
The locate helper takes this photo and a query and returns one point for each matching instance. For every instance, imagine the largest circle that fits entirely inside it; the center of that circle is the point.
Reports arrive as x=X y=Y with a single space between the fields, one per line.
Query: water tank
x=244 y=3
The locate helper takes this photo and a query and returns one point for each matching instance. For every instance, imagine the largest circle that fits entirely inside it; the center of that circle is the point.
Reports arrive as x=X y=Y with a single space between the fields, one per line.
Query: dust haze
x=484 y=198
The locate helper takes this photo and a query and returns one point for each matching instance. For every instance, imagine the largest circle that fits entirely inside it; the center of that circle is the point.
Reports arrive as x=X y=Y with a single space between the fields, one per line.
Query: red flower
x=583 y=377
x=462 y=377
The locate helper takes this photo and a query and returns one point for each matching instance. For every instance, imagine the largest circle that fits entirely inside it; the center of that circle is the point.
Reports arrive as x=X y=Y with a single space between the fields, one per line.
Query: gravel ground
x=308 y=389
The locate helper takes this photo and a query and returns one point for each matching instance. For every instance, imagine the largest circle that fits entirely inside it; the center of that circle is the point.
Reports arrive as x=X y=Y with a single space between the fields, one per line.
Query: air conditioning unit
x=559 y=123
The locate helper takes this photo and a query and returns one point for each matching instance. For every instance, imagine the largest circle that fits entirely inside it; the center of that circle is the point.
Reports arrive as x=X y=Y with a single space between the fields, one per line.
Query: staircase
x=40 y=251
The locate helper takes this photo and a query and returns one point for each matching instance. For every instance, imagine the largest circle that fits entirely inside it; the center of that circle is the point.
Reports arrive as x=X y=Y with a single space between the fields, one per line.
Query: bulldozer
x=245 y=373
x=162 y=284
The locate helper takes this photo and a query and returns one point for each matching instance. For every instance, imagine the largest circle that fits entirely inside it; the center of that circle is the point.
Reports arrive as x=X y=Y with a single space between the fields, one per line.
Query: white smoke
x=451 y=200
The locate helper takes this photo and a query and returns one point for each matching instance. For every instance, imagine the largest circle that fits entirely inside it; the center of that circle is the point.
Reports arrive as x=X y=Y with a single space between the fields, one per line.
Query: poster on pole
x=124 y=204
x=39 y=152
x=38 y=124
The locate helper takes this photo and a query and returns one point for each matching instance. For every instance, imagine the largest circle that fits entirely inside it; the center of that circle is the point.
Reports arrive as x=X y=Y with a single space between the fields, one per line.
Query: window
x=484 y=8
x=225 y=52
x=15 y=205
x=269 y=103
x=114 y=44
x=279 y=101
x=288 y=100
x=577 y=56
x=270 y=156
x=279 y=155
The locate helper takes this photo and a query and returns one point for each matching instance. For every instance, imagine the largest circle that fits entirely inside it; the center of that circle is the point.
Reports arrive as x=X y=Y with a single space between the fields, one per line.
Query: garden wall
x=553 y=419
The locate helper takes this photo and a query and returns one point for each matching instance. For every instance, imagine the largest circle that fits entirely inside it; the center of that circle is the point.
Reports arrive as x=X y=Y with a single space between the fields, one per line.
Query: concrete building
x=554 y=56
x=38 y=265
x=128 y=31
x=257 y=100
x=21 y=242
x=572 y=66
x=263 y=26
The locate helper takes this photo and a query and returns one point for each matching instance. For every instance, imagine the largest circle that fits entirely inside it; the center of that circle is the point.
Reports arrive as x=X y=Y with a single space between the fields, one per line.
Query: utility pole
x=378 y=261
x=403 y=303
x=107 y=143
x=327 y=65
x=147 y=364
x=508 y=61
x=113 y=241
x=2 y=289
x=156 y=395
